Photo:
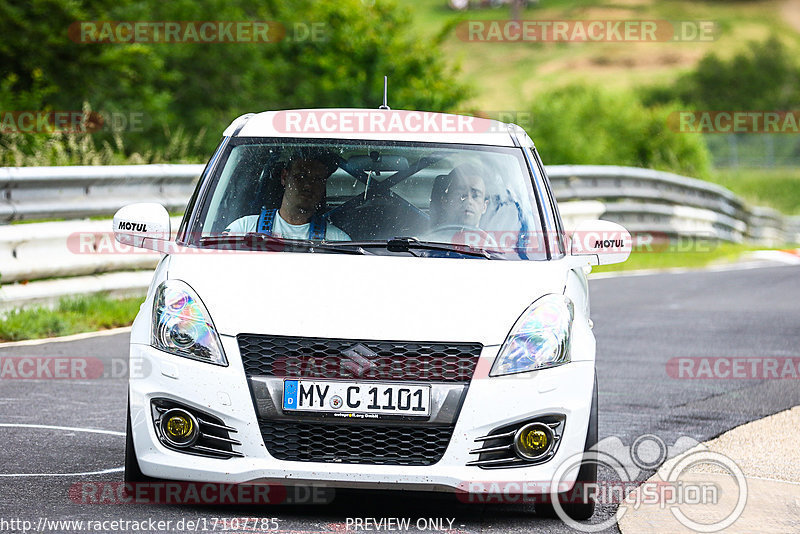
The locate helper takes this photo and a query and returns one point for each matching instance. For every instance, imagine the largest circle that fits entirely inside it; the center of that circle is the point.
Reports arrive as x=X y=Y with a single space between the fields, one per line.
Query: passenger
x=304 y=180
x=458 y=198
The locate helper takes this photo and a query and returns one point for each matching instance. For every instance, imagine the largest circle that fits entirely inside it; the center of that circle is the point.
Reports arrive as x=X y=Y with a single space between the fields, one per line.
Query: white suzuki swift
x=368 y=298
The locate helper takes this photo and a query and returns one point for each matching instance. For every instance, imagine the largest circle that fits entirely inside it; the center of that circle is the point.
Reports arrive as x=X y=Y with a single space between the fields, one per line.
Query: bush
x=764 y=77
x=203 y=86
x=581 y=125
x=21 y=150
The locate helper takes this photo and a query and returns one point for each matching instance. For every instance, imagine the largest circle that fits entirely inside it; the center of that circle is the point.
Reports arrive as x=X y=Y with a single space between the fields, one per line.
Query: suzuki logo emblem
x=357 y=359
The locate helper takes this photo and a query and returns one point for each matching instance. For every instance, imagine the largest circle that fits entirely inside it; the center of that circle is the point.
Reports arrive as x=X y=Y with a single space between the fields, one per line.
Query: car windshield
x=438 y=198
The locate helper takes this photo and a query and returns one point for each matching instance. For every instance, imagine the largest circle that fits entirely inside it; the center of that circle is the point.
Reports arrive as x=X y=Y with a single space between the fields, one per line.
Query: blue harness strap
x=266 y=221
x=316 y=231
x=318 y=227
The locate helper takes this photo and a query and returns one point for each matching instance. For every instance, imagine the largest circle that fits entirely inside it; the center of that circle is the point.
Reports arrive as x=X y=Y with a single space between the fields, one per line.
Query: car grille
x=365 y=360
x=355 y=443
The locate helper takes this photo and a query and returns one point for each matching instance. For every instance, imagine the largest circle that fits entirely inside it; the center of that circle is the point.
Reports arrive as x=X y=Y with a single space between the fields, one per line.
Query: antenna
x=385 y=91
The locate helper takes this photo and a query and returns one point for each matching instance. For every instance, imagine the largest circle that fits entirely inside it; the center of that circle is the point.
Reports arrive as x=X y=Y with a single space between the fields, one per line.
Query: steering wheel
x=447 y=232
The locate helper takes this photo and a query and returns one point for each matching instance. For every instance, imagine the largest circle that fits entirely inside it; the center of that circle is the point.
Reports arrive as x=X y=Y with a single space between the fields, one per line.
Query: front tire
x=132 y=472
x=587 y=474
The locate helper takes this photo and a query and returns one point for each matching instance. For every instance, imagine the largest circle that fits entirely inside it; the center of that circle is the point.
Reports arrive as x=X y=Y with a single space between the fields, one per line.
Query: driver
x=304 y=180
x=458 y=198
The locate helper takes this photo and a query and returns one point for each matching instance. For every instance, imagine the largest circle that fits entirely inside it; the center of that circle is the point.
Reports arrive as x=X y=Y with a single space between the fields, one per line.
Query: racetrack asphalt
x=640 y=322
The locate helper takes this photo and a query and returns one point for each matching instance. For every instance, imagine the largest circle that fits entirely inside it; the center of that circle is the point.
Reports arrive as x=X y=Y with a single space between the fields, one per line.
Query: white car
x=364 y=299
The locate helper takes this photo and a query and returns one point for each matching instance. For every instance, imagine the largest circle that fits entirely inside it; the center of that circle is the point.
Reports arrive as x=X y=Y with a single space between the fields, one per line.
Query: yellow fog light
x=533 y=441
x=179 y=428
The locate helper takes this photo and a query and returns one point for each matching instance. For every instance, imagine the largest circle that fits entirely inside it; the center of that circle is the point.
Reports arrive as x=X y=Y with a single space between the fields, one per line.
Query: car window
x=366 y=191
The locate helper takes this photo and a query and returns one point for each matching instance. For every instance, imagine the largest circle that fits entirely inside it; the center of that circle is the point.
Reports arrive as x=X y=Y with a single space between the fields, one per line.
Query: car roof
x=379 y=125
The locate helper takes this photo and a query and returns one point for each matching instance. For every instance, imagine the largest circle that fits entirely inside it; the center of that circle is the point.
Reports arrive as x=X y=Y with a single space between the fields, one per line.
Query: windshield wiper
x=409 y=244
x=267 y=242
x=406 y=244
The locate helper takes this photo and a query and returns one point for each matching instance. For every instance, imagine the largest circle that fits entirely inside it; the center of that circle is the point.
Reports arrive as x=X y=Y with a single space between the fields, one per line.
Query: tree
x=203 y=86
x=581 y=125
x=763 y=78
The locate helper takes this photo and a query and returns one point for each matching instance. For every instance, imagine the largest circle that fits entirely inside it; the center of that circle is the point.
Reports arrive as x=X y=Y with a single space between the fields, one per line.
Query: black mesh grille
x=355 y=443
x=366 y=360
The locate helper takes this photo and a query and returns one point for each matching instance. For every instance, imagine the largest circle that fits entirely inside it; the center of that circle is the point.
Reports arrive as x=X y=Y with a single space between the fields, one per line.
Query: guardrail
x=640 y=199
x=646 y=200
x=643 y=199
x=28 y=193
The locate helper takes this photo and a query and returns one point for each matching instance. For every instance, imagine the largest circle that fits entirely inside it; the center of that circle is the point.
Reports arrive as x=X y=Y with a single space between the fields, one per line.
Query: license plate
x=356 y=397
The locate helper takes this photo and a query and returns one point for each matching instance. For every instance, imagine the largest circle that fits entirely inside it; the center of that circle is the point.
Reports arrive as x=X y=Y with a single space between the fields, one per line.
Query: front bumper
x=489 y=403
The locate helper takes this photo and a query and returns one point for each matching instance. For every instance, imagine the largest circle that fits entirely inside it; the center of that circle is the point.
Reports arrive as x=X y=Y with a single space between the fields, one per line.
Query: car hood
x=366 y=297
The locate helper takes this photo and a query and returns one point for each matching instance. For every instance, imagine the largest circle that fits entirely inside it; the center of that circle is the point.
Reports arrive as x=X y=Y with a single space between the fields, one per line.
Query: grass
x=508 y=76
x=71 y=316
x=23 y=150
x=774 y=188
x=701 y=255
x=98 y=312
x=104 y=217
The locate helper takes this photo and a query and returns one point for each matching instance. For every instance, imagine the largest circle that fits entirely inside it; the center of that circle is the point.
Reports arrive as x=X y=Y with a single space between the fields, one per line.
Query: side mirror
x=604 y=242
x=143 y=225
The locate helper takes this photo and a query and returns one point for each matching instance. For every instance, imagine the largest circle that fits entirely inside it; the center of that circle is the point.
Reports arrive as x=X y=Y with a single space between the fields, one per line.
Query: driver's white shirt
x=281 y=228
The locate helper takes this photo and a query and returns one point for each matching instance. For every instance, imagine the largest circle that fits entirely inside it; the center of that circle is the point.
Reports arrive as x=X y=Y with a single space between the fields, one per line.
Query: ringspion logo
x=676 y=486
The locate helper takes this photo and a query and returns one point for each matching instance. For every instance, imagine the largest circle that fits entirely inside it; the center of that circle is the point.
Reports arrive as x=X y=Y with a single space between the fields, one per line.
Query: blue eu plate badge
x=290 y=394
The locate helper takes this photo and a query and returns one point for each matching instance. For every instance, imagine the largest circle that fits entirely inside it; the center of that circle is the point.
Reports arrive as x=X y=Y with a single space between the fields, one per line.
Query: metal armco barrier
x=646 y=200
x=73 y=192
x=642 y=200
x=638 y=197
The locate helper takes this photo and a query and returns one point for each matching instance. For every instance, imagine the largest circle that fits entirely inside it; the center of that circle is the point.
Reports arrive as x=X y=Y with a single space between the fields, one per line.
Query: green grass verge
x=705 y=255
x=105 y=217
x=99 y=312
x=71 y=316
x=508 y=75
x=775 y=188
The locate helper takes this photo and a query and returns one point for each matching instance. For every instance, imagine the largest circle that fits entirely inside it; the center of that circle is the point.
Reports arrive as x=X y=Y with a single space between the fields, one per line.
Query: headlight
x=539 y=339
x=182 y=325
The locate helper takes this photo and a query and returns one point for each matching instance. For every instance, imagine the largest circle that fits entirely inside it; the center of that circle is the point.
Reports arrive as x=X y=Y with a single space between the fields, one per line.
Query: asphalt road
x=640 y=323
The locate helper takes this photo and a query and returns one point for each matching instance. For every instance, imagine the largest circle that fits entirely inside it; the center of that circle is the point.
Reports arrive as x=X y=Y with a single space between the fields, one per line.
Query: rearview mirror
x=144 y=225
x=377 y=162
x=603 y=242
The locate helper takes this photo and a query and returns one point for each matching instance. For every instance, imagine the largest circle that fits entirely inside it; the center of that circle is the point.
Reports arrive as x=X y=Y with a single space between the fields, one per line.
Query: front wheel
x=587 y=475
x=132 y=472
